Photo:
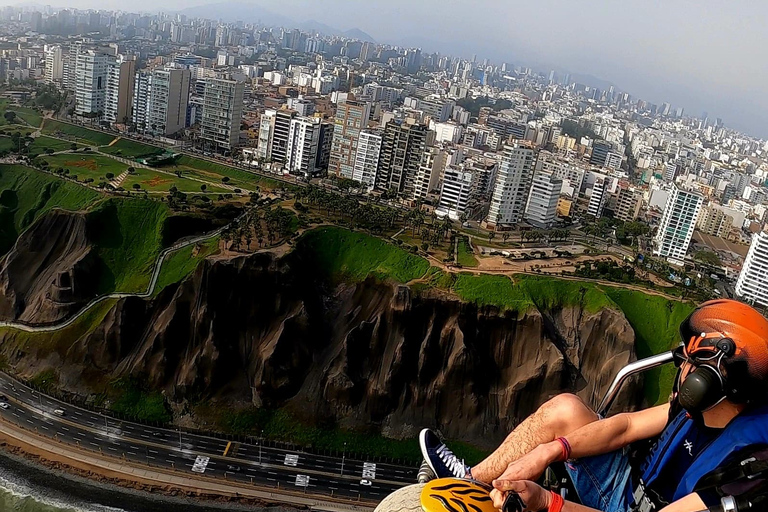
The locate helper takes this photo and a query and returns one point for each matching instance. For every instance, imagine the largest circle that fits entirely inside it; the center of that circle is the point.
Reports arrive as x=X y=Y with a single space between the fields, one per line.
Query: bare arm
x=618 y=431
x=595 y=438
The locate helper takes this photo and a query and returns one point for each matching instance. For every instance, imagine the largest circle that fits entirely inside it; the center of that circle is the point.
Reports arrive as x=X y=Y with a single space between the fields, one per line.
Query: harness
x=747 y=429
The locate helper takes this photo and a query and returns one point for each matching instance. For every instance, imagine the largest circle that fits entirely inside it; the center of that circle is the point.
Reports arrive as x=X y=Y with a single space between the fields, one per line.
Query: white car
x=4 y=405
x=365 y=481
x=59 y=412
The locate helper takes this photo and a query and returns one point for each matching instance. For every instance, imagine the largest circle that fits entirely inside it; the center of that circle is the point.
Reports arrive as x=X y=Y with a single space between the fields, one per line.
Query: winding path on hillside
x=22 y=326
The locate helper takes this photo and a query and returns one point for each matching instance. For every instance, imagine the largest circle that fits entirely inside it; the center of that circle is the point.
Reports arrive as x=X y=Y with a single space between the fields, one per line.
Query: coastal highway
x=266 y=467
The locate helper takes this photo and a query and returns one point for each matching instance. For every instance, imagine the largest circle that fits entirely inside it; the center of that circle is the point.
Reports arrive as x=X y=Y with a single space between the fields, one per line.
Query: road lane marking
x=200 y=464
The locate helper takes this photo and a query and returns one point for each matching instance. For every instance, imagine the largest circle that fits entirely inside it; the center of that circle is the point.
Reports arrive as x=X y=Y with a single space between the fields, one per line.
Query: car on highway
x=365 y=481
x=236 y=469
x=4 y=405
x=59 y=412
x=3 y=398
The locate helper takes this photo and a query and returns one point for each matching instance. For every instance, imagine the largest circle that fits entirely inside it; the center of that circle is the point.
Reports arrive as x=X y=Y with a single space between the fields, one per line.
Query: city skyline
x=704 y=63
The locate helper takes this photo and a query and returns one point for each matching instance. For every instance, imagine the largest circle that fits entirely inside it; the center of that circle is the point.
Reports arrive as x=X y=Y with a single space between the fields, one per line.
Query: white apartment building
x=91 y=82
x=54 y=65
x=455 y=193
x=120 y=87
x=367 y=158
x=266 y=132
x=303 y=145
x=430 y=170
x=160 y=99
x=222 y=113
x=752 y=285
x=677 y=224
x=513 y=181
x=541 y=210
x=598 y=197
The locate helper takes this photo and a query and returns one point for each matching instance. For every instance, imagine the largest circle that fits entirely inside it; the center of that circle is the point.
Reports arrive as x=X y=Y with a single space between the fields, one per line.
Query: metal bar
x=639 y=366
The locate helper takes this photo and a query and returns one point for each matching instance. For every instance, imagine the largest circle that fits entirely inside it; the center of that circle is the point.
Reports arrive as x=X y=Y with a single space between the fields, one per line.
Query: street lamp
x=261 y=442
x=343 y=454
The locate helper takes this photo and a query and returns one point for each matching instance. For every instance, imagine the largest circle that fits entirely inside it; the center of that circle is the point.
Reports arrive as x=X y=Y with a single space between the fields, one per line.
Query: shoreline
x=60 y=483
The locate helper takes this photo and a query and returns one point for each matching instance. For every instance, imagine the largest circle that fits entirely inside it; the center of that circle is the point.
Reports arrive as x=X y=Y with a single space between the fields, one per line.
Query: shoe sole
x=423 y=445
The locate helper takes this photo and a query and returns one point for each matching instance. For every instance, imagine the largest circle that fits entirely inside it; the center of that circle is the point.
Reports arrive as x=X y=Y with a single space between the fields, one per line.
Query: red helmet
x=707 y=331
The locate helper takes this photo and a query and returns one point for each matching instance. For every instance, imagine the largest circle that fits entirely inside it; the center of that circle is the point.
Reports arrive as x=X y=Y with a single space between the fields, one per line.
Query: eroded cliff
x=269 y=332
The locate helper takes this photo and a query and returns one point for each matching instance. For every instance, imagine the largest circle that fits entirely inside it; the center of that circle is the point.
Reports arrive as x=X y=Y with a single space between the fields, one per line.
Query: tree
x=10 y=116
x=131 y=170
x=203 y=187
x=110 y=176
x=136 y=186
x=491 y=236
x=225 y=179
x=424 y=246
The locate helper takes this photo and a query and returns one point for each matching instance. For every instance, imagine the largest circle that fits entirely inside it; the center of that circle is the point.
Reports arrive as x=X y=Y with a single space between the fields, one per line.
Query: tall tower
x=512 y=184
x=677 y=225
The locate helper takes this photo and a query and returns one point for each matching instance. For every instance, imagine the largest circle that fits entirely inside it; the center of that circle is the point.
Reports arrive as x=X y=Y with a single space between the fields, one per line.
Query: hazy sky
x=703 y=55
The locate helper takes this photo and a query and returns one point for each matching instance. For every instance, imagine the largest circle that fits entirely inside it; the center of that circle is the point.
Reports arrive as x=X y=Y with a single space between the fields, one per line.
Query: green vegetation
x=46 y=380
x=279 y=425
x=26 y=194
x=29 y=115
x=465 y=257
x=577 y=131
x=131 y=398
x=656 y=321
x=214 y=172
x=342 y=253
x=708 y=257
x=83 y=135
x=128 y=234
x=131 y=149
x=43 y=143
x=183 y=262
x=155 y=181
x=86 y=165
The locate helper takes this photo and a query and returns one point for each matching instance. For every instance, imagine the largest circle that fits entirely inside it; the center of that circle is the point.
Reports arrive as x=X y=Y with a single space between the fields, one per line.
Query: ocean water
x=26 y=487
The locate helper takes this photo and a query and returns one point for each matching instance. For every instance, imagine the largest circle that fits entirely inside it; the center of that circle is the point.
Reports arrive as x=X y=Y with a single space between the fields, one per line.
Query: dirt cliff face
x=50 y=272
x=264 y=331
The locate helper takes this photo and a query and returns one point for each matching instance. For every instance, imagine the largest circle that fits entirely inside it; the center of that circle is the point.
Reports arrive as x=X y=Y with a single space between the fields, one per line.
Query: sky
x=702 y=55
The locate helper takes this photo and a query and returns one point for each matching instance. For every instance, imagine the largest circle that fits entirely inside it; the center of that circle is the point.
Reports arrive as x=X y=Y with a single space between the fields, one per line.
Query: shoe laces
x=453 y=463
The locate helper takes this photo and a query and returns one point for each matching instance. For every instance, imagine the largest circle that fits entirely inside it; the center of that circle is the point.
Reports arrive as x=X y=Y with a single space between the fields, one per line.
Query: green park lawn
x=29 y=115
x=42 y=143
x=131 y=149
x=80 y=133
x=212 y=171
x=465 y=256
x=155 y=181
x=86 y=165
x=26 y=194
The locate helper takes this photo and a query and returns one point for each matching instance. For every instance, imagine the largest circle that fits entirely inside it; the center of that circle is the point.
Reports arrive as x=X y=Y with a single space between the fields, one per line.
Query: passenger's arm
x=616 y=432
x=595 y=438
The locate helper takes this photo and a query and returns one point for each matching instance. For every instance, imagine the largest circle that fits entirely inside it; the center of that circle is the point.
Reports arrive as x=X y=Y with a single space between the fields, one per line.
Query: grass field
x=183 y=262
x=465 y=256
x=86 y=165
x=6 y=144
x=128 y=235
x=214 y=172
x=82 y=134
x=342 y=253
x=655 y=321
x=26 y=194
x=42 y=143
x=29 y=115
x=131 y=149
x=155 y=181
x=24 y=131
x=131 y=398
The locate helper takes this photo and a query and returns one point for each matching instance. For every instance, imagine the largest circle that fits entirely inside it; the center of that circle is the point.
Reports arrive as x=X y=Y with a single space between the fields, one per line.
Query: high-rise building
x=367 y=158
x=600 y=151
x=91 y=82
x=513 y=181
x=304 y=151
x=280 y=134
x=628 y=203
x=402 y=151
x=169 y=100
x=222 y=113
x=714 y=221
x=54 y=65
x=428 y=176
x=677 y=224
x=351 y=118
x=120 y=86
x=455 y=193
x=160 y=100
x=599 y=197
x=266 y=132
x=752 y=285
x=541 y=210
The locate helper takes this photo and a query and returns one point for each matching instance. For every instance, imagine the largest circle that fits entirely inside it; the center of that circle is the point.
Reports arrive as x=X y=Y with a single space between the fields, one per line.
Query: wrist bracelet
x=566 y=449
x=556 y=505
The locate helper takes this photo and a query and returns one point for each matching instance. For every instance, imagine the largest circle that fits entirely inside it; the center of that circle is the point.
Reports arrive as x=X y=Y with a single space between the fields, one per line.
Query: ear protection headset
x=705 y=386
